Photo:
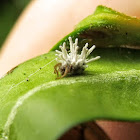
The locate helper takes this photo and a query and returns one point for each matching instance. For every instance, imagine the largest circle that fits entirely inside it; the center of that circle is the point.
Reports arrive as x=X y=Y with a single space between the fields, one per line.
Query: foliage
x=34 y=105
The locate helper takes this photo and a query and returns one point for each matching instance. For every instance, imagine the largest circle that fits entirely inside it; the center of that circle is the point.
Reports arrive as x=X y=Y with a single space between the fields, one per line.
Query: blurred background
x=9 y=12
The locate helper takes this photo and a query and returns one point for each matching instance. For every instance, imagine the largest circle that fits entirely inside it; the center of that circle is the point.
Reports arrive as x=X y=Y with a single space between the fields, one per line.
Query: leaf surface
x=107 y=28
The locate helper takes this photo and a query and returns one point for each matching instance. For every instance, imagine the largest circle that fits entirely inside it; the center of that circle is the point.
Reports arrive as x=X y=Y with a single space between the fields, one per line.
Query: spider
x=68 y=69
x=72 y=62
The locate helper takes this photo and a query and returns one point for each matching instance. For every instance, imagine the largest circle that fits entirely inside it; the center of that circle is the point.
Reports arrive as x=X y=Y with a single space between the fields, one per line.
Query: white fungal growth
x=72 y=58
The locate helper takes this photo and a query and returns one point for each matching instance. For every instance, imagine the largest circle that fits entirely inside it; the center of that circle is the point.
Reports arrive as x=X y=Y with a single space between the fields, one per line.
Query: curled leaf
x=107 y=28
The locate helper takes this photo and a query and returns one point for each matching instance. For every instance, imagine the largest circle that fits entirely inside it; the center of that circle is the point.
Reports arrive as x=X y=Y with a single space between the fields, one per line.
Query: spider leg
x=65 y=73
x=56 y=71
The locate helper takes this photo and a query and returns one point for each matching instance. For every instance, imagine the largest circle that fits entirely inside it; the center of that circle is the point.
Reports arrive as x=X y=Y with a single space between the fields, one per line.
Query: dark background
x=9 y=12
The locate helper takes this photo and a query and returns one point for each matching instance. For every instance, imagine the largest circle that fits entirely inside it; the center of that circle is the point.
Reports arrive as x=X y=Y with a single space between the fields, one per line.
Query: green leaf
x=107 y=28
x=109 y=89
x=33 y=105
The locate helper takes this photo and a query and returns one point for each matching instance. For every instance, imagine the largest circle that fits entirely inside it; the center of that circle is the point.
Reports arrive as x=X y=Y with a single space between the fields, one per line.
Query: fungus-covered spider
x=72 y=62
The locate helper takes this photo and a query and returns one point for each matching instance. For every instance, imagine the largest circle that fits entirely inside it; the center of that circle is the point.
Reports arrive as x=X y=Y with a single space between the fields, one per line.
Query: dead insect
x=72 y=62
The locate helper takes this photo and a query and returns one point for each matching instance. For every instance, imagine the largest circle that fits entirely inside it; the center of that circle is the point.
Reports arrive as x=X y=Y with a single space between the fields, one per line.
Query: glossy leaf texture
x=34 y=105
x=107 y=28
